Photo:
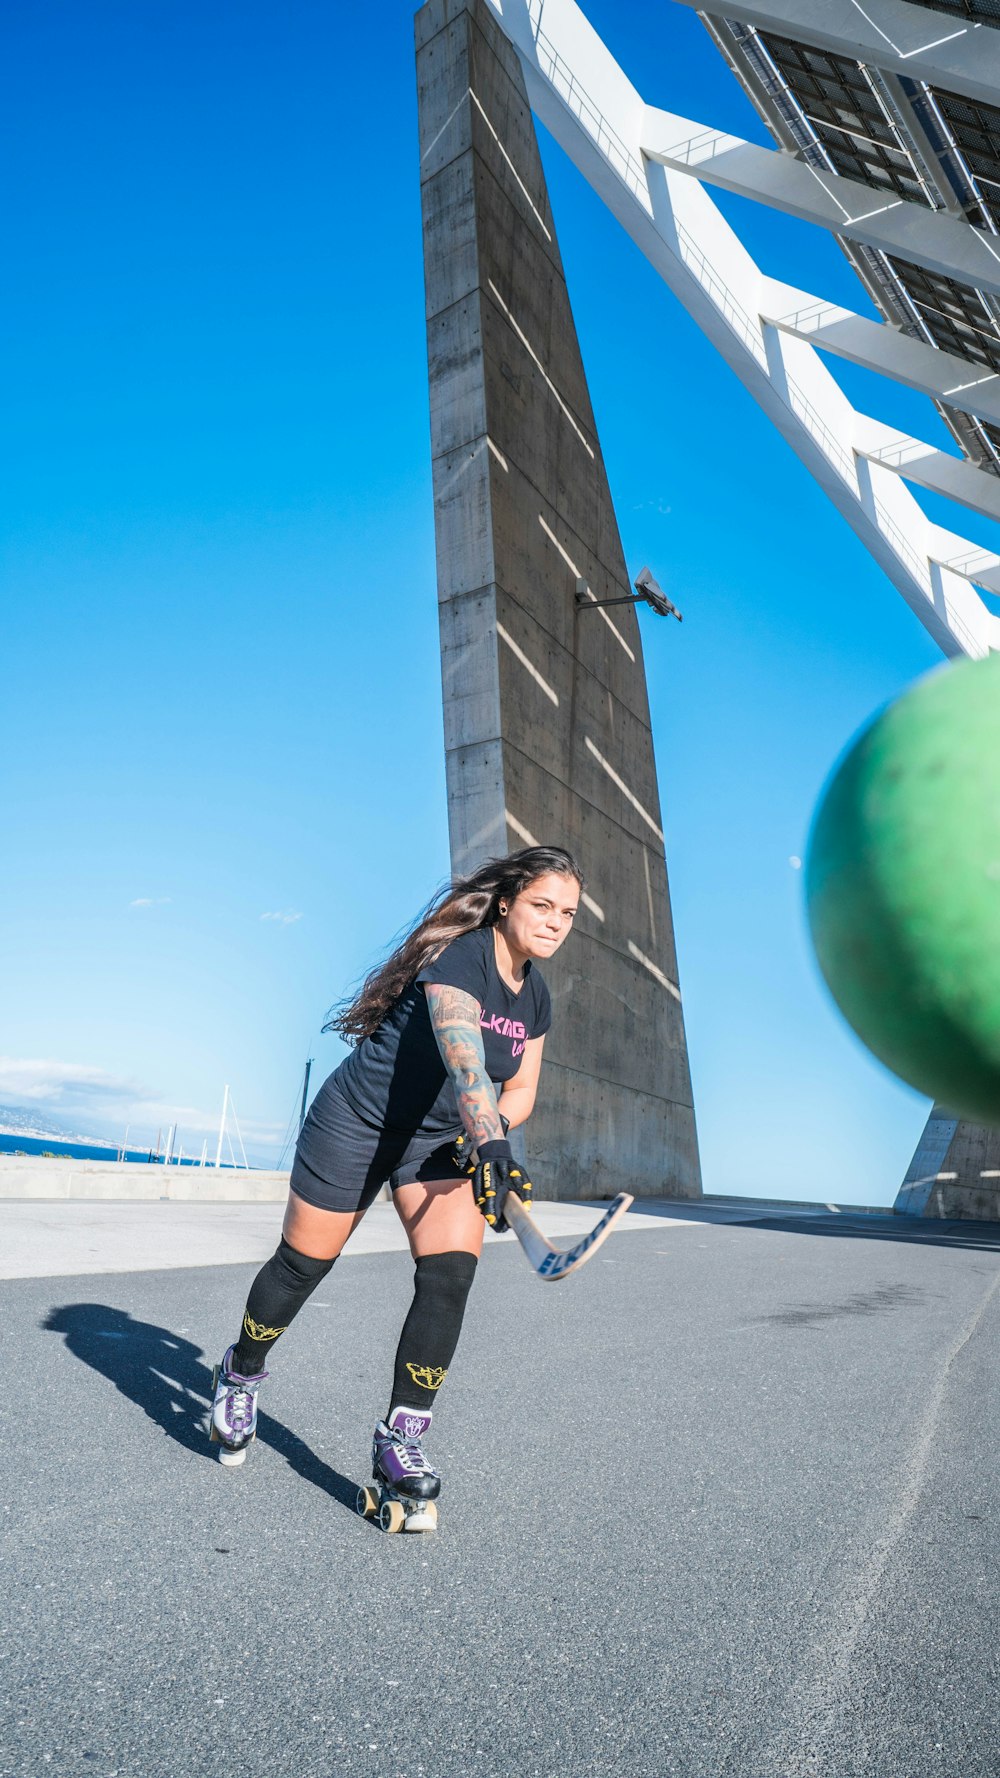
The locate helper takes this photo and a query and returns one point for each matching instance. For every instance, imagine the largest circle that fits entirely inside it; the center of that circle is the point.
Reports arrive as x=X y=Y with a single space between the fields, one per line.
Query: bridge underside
x=886 y=132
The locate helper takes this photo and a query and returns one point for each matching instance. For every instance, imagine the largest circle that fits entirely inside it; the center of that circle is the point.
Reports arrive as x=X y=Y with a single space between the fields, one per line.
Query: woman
x=449 y=1035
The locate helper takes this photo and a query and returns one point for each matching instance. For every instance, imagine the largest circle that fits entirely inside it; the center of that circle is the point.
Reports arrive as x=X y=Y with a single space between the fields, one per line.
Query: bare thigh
x=319 y=1234
x=440 y=1216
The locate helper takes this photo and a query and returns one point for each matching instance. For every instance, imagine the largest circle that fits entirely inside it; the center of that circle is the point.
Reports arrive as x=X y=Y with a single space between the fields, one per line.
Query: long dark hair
x=461 y=906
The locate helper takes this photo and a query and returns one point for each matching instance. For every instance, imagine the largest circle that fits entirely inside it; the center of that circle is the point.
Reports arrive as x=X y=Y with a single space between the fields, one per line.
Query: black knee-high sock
x=276 y=1296
x=431 y=1329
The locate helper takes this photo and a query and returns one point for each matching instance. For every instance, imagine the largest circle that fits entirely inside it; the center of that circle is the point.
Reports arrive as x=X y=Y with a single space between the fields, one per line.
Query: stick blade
x=552 y=1264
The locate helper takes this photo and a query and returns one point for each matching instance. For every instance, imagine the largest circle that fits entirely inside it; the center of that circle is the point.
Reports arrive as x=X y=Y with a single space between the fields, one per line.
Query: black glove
x=495 y=1174
x=464 y=1153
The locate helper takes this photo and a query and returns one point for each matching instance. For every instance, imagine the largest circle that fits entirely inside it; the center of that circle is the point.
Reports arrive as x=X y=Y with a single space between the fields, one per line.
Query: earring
x=503 y=907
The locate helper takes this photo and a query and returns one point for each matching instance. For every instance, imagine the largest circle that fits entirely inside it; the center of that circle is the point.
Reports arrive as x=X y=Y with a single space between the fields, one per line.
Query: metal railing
x=918 y=565
x=561 y=77
x=833 y=448
x=747 y=327
x=700 y=148
x=814 y=315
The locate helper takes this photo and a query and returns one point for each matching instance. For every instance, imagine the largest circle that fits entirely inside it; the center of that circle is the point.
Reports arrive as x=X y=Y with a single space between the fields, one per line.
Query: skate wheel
x=232 y=1459
x=425 y=1517
x=392 y=1515
x=367 y=1503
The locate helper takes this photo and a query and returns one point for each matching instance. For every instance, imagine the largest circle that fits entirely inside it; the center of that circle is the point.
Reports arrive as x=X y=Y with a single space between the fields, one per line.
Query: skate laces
x=241 y=1407
x=240 y=1402
x=411 y=1455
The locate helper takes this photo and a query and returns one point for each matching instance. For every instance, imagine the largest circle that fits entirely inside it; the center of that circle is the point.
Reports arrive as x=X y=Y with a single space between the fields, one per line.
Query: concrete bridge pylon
x=955 y=1170
x=547 y=729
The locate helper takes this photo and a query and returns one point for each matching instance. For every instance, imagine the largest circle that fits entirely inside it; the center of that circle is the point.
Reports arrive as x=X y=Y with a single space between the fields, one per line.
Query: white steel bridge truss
x=650 y=168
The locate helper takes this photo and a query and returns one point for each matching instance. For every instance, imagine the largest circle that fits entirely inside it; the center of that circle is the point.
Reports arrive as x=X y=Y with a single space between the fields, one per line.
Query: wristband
x=500 y=1150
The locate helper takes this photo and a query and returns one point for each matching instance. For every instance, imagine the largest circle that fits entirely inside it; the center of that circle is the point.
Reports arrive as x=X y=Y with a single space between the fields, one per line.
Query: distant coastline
x=62 y=1147
x=12 y=1125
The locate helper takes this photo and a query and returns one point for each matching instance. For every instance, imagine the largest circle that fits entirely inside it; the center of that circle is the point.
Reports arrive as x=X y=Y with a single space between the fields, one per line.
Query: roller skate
x=233 y=1422
x=405 y=1495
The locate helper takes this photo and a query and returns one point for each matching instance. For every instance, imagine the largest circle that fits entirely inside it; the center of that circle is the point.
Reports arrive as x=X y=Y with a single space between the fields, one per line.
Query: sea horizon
x=67 y=1148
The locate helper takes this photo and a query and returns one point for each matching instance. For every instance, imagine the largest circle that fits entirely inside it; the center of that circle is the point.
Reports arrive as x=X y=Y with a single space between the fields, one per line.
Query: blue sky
x=224 y=784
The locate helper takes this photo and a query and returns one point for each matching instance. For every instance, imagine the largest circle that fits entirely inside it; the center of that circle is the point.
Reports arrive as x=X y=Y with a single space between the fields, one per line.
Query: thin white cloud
x=66 y=1084
x=151 y=901
x=96 y=1100
x=287 y=918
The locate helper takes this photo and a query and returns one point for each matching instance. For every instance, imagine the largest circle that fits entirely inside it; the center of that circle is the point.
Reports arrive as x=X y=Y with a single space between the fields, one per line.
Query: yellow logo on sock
x=254 y=1330
x=428 y=1376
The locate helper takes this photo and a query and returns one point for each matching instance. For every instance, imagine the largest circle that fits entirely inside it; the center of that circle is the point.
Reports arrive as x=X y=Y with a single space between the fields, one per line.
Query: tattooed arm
x=517 y=1095
x=455 y=1023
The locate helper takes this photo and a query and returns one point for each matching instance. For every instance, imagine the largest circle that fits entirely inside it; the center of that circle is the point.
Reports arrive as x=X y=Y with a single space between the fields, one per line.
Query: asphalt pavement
x=723 y=1505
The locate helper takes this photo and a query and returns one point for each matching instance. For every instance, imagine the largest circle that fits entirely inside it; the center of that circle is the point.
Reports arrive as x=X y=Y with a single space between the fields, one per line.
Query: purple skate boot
x=405 y=1498
x=233 y=1422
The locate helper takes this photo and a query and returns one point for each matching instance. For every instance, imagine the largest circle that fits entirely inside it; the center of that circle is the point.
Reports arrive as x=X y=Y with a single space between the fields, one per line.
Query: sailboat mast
x=305 y=1094
x=222 y=1126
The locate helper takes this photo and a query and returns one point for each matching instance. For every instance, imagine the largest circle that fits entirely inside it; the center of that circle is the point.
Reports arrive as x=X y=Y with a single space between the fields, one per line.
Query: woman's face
x=537 y=920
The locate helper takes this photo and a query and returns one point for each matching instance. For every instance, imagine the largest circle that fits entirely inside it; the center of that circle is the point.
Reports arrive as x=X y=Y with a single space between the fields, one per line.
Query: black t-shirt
x=396 y=1079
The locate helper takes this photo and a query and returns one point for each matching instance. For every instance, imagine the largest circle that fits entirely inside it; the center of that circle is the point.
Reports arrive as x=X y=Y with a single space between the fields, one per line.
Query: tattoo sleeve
x=455 y=1023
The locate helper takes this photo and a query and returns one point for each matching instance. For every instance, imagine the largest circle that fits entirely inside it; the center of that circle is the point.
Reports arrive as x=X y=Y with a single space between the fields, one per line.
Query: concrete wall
x=547 y=731
x=31 y=1176
x=955 y=1171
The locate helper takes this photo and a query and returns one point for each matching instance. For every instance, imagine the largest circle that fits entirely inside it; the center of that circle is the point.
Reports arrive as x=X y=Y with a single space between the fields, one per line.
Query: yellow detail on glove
x=489 y=1193
x=525 y=1187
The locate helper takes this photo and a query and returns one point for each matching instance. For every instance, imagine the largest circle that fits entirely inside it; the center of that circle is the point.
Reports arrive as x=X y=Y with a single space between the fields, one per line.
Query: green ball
x=903 y=887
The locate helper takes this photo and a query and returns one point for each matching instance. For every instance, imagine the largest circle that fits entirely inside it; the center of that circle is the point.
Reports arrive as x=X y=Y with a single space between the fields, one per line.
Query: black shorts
x=341 y=1161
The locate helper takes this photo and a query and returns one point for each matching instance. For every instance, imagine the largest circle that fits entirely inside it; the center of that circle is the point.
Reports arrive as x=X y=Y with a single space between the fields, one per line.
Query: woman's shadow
x=168 y=1379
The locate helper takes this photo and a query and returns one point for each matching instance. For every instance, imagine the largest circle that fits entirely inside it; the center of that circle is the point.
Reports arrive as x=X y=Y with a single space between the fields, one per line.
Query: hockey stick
x=553 y=1263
